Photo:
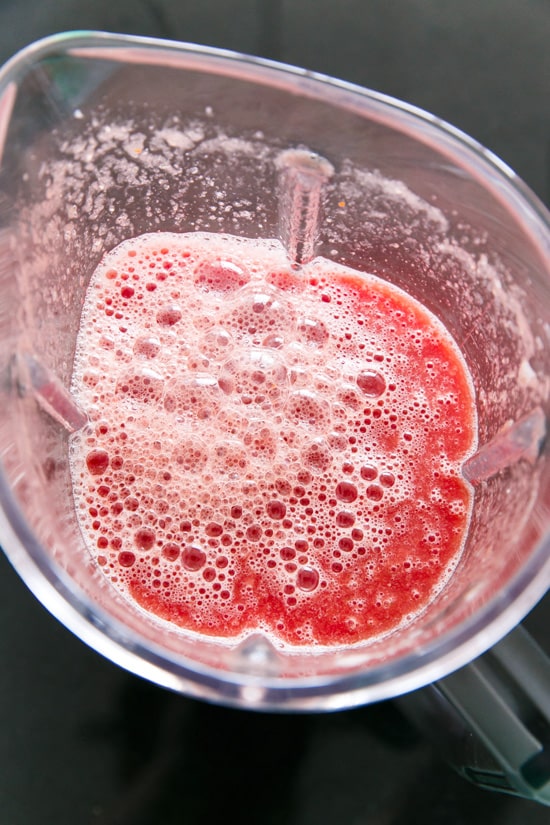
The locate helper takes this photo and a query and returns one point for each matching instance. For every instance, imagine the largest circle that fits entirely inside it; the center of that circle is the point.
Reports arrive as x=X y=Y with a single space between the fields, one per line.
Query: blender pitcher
x=104 y=138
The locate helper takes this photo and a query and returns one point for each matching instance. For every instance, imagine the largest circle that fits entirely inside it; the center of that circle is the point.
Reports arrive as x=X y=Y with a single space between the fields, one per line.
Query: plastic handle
x=491 y=718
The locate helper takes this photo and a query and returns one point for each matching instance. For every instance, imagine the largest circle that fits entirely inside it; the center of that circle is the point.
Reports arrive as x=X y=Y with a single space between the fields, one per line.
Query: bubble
x=374 y=492
x=170 y=551
x=349 y=397
x=257 y=376
x=368 y=472
x=317 y=456
x=371 y=383
x=283 y=487
x=190 y=454
x=220 y=276
x=261 y=309
x=322 y=383
x=106 y=342
x=387 y=479
x=192 y=557
x=306 y=407
x=230 y=456
x=144 y=539
x=143 y=385
x=345 y=544
x=91 y=378
x=197 y=396
x=261 y=442
x=147 y=346
x=97 y=462
x=217 y=342
x=346 y=491
x=312 y=331
x=345 y=519
x=169 y=315
x=307 y=579
x=124 y=354
x=337 y=442
x=287 y=553
x=213 y=529
x=304 y=476
x=273 y=341
x=254 y=532
x=298 y=376
x=126 y=559
x=276 y=509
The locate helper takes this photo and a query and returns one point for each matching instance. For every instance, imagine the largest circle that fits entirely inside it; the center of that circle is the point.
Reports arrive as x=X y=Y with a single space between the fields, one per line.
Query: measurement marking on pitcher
x=302 y=178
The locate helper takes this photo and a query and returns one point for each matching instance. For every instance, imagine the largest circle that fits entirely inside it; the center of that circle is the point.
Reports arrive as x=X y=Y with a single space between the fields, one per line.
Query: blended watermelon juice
x=269 y=450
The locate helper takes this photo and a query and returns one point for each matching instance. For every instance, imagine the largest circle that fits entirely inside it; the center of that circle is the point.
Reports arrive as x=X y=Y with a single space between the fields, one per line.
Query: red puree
x=268 y=450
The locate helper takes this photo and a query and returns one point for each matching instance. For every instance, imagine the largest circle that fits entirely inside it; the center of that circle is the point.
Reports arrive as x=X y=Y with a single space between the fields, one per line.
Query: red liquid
x=270 y=450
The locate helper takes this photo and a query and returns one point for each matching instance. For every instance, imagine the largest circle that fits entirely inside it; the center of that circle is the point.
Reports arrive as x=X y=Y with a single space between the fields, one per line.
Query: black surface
x=82 y=741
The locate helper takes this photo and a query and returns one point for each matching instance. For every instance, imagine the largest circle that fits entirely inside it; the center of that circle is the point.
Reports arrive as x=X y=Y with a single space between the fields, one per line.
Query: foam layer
x=269 y=450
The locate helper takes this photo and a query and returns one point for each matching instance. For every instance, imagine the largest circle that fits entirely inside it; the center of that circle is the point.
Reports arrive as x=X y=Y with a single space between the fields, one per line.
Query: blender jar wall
x=109 y=139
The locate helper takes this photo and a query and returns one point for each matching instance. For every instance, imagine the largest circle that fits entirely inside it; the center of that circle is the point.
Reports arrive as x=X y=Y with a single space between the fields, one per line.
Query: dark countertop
x=84 y=742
